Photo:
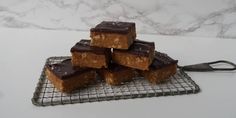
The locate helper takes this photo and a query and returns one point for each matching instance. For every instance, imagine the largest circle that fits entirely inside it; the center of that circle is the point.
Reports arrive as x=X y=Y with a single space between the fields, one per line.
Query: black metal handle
x=203 y=67
x=223 y=69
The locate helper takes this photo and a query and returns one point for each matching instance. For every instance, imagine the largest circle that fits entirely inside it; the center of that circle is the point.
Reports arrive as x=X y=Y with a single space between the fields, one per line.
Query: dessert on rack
x=114 y=54
x=84 y=55
x=109 y=34
x=139 y=55
x=65 y=78
x=116 y=74
x=162 y=67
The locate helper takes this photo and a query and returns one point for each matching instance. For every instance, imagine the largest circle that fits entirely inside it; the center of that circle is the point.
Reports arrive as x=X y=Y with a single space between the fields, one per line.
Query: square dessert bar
x=117 y=74
x=138 y=56
x=84 y=55
x=66 y=79
x=109 y=34
x=161 y=68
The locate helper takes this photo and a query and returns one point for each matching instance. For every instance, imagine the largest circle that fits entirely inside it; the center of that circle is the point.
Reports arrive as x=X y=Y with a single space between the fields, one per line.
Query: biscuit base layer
x=132 y=61
x=89 y=59
x=112 y=40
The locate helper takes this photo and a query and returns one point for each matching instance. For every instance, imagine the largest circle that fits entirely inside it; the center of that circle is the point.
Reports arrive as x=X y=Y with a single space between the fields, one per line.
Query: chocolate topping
x=84 y=46
x=113 y=67
x=140 y=48
x=161 y=60
x=64 y=70
x=114 y=27
x=151 y=44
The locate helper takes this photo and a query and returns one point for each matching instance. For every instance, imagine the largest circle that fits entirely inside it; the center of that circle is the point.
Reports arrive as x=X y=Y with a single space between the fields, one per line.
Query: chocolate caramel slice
x=138 y=56
x=66 y=79
x=161 y=68
x=84 y=55
x=110 y=34
x=117 y=74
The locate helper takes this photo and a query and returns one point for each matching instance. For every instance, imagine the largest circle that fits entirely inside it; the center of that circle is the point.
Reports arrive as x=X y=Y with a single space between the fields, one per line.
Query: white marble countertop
x=202 y=18
x=23 y=54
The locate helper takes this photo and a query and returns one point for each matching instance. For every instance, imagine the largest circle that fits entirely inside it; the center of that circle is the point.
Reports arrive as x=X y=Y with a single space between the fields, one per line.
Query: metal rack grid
x=46 y=94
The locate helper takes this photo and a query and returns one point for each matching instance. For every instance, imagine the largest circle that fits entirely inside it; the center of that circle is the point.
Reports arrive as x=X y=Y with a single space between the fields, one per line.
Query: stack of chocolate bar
x=114 y=54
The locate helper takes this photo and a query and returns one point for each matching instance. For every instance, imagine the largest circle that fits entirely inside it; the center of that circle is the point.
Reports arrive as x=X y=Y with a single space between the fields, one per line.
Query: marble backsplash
x=204 y=18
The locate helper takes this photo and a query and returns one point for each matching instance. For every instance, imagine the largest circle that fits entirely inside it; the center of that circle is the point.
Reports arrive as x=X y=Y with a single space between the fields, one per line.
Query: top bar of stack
x=108 y=34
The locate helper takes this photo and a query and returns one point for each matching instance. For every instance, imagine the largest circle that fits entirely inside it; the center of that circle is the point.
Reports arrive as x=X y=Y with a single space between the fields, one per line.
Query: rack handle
x=204 y=67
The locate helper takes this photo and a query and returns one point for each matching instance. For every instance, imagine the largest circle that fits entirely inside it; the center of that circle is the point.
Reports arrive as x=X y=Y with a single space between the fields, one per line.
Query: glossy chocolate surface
x=140 y=48
x=84 y=46
x=161 y=60
x=64 y=70
x=114 y=27
x=113 y=67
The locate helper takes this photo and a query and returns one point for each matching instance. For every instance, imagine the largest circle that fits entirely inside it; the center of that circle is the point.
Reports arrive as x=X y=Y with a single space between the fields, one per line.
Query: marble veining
x=205 y=18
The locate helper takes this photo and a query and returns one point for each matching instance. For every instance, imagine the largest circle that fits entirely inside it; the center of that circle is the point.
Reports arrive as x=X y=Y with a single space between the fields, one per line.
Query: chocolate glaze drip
x=84 y=46
x=161 y=60
x=64 y=70
x=114 y=27
x=140 y=48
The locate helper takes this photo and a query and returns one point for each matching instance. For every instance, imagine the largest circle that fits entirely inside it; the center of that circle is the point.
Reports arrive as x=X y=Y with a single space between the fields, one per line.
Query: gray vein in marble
x=210 y=18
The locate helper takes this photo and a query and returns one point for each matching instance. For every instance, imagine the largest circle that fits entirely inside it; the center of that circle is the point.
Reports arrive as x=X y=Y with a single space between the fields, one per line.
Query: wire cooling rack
x=46 y=94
